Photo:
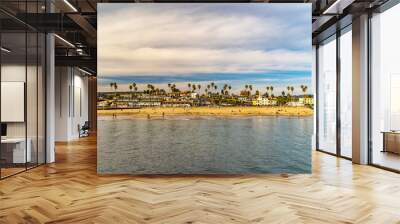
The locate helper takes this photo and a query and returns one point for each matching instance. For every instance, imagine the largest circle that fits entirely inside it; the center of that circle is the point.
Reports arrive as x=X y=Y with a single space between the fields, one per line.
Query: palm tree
x=272 y=91
x=304 y=89
x=130 y=89
x=224 y=89
x=250 y=88
x=170 y=87
x=283 y=93
x=267 y=89
x=134 y=86
x=257 y=92
x=189 y=85
x=292 y=89
x=198 y=87
x=115 y=89
x=113 y=86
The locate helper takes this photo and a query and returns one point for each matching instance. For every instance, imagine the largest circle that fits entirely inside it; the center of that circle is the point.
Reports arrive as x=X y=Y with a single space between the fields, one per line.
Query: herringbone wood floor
x=69 y=191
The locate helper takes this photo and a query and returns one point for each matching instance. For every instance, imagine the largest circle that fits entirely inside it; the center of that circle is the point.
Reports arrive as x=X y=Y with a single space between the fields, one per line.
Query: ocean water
x=205 y=145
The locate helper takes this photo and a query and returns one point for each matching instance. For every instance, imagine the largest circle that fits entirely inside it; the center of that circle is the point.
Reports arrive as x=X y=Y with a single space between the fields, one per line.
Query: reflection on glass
x=14 y=153
x=31 y=101
x=41 y=99
x=327 y=96
x=22 y=93
x=346 y=94
x=386 y=89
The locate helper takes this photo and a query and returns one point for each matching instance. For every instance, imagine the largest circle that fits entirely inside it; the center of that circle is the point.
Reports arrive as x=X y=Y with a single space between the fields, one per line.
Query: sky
x=228 y=43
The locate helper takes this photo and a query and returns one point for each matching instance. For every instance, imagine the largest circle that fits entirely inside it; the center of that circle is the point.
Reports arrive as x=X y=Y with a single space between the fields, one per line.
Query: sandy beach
x=209 y=111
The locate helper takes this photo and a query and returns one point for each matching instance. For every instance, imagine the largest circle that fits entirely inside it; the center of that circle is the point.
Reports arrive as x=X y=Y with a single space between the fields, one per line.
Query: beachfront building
x=295 y=104
x=176 y=104
x=148 y=104
x=194 y=95
x=102 y=104
x=307 y=100
x=260 y=101
x=273 y=101
x=244 y=99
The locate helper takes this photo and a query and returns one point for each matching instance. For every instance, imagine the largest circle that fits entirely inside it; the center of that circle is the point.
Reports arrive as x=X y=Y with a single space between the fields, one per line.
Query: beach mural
x=204 y=88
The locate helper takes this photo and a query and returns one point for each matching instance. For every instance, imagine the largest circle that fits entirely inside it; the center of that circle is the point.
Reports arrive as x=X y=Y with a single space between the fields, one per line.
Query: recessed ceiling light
x=5 y=50
x=64 y=40
x=70 y=5
x=84 y=71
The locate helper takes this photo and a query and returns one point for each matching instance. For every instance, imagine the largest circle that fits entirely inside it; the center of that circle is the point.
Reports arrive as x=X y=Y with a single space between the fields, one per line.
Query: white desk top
x=13 y=140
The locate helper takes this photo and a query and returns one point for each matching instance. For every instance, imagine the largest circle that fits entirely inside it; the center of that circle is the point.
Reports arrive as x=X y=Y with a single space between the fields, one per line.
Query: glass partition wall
x=327 y=95
x=385 y=89
x=22 y=78
x=346 y=94
x=334 y=106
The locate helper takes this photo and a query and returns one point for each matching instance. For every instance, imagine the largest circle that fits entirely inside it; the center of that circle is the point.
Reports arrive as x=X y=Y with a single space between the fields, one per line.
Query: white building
x=261 y=101
x=295 y=104
x=194 y=95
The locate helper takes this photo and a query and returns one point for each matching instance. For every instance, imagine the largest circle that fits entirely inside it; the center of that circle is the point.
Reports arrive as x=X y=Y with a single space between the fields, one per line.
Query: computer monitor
x=3 y=130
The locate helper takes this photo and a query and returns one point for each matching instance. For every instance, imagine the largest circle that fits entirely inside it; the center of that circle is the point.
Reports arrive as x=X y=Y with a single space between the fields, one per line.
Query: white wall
x=71 y=102
x=12 y=73
x=33 y=126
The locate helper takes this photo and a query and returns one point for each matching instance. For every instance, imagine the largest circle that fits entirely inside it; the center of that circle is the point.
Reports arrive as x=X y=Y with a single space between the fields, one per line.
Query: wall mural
x=204 y=88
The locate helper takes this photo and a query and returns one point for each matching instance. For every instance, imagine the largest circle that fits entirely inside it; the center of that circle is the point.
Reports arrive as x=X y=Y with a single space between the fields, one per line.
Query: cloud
x=170 y=39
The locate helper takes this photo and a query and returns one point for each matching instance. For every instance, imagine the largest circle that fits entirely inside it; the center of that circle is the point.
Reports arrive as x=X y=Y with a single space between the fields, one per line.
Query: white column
x=50 y=98
x=50 y=92
x=63 y=101
x=360 y=90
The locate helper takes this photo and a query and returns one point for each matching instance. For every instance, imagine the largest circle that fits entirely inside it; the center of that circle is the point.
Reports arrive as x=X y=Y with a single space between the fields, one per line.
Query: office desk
x=391 y=141
x=16 y=147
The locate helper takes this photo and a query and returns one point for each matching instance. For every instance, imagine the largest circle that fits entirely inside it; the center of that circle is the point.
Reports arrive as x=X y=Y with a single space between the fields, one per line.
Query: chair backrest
x=86 y=125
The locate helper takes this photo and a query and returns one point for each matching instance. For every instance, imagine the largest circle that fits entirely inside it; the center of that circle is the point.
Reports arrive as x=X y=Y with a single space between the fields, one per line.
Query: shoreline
x=160 y=112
